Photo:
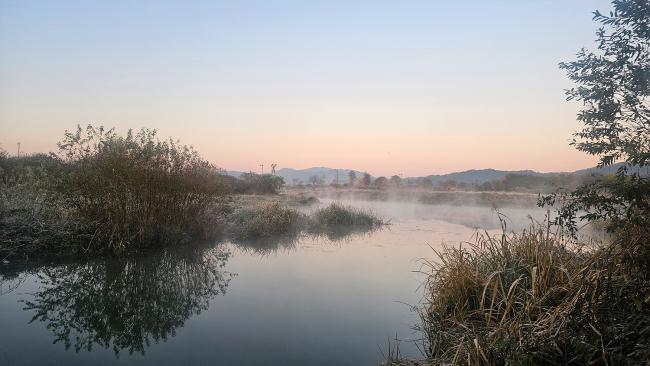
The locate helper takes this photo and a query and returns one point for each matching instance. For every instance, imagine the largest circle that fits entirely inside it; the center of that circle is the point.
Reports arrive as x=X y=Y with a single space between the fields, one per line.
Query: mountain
x=473 y=176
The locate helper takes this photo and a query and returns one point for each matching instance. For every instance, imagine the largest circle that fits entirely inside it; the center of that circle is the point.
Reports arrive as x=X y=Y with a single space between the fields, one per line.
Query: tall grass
x=336 y=215
x=264 y=220
x=538 y=298
x=272 y=219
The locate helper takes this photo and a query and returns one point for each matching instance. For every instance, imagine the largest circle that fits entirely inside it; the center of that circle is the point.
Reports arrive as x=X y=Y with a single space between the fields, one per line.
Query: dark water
x=314 y=301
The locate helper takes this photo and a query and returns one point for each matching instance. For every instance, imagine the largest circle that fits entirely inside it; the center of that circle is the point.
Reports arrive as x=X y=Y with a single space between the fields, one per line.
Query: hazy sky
x=411 y=87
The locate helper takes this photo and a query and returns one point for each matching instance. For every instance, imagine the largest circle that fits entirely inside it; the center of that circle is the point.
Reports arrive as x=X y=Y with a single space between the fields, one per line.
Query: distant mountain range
x=473 y=176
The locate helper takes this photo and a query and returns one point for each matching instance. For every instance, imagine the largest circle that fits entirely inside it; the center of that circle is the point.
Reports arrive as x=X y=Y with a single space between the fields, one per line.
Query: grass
x=257 y=223
x=537 y=297
x=264 y=220
x=336 y=215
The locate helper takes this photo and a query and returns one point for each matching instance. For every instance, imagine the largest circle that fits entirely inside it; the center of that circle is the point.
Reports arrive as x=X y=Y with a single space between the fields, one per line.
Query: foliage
x=135 y=189
x=336 y=215
x=536 y=298
x=352 y=177
x=366 y=179
x=614 y=88
x=380 y=182
x=264 y=220
x=257 y=183
x=106 y=193
x=396 y=180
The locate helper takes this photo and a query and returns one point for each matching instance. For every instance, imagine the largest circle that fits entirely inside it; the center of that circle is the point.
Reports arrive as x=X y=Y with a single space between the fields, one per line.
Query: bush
x=336 y=215
x=536 y=298
x=257 y=183
x=135 y=189
x=264 y=220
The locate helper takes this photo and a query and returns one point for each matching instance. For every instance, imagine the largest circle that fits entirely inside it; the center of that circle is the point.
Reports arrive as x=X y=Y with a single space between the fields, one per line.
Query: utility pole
x=262 y=166
x=19 y=149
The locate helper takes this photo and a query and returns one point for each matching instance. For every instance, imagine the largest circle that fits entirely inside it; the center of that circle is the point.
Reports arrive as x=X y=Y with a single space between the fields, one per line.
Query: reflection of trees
x=127 y=303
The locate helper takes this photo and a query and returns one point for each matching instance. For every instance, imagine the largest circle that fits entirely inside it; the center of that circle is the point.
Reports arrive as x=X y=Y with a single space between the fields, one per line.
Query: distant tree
x=423 y=182
x=380 y=182
x=448 y=184
x=486 y=186
x=613 y=84
x=396 y=180
x=259 y=183
x=352 y=177
x=366 y=179
x=316 y=180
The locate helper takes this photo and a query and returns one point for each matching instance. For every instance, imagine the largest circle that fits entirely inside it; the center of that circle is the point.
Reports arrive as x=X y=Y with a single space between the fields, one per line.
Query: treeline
x=508 y=183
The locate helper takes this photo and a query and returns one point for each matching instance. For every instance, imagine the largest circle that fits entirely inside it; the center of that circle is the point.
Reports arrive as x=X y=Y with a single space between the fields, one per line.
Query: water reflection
x=126 y=304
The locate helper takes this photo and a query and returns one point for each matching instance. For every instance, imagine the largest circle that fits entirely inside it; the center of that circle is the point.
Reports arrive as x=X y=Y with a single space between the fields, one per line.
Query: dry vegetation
x=538 y=297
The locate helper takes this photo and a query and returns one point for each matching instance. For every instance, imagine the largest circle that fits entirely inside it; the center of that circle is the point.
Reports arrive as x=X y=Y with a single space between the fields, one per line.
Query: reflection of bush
x=127 y=303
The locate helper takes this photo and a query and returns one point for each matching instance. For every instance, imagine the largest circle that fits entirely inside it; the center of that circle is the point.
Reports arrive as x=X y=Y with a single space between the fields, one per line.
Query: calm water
x=316 y=301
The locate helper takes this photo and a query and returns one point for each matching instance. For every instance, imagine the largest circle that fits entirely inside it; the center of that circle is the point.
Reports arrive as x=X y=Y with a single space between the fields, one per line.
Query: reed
x=537 y=297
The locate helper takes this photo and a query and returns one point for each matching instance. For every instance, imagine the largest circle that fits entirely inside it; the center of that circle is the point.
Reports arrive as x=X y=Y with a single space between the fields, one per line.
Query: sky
x=388 y=87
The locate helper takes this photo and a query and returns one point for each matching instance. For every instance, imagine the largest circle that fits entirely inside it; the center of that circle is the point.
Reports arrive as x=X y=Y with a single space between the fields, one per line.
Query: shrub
x=536 y=298
x=257 y=183
x=135 y=189
x=264 y=220
x=336 y=215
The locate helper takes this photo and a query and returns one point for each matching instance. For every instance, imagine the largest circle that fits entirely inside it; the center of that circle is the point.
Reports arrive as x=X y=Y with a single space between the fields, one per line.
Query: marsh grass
x=277 y=223
x=264 y=220
x=336 y=215
x=537 y=297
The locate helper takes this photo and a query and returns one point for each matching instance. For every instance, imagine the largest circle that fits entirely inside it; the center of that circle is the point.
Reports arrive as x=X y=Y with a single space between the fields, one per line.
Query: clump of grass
x=537 y=298
x=336 y=215
x=264 y=220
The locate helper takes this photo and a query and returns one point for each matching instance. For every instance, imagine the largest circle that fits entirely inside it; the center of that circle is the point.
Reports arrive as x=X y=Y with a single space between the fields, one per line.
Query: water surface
x=315 y=301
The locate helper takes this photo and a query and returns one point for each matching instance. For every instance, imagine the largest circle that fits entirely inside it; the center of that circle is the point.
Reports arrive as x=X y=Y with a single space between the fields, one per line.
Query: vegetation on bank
x=102 y=193
x=537 y=298
x=337 y=215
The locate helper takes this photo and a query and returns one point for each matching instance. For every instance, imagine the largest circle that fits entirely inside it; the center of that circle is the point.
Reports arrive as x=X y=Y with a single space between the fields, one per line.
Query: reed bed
x=537 y=297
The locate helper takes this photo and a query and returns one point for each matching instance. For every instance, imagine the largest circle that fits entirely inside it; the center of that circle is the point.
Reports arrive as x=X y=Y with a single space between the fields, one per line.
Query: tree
x=423 y=182
x=366 y=179
x=352 y=177
x=380 y=182
x=315 y=180
x=396 y=180
x=613 y=85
